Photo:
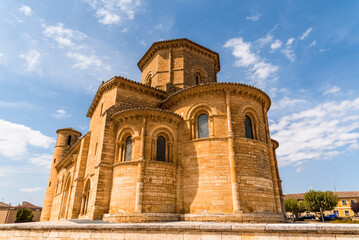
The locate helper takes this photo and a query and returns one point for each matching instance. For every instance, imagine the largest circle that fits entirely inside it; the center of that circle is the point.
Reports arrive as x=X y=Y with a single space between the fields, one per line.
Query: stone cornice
x=121 y=81
x=181 y=42
x=234 y=88
x=164 y=115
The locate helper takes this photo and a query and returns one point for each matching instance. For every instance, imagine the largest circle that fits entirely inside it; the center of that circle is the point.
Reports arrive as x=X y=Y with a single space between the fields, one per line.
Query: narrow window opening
x=197 y=80
x=54 y=160
x=202 y=122
x=101 y=109
x=248 y=127
x=69 y=140
x=96 y=148
x=161 y=149
x=128 y=149
x=49 y=184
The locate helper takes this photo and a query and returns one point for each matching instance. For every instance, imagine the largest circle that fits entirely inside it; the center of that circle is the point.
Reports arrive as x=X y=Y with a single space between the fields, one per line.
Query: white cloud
x=332 y=91
x=32 y=59
x=26 y=10
x=61 y=114
x=114 y=11
x=4 y=104
x=306 y=34
x=323 y=50
x=313 y=43
x=265 y=40
x=84 y=62
x=42 y=160
x=317 y=133
x=142 y=42
x=31 y=190
x=290 y=41
x=65 y=37
x=258 y=69
x=288 y=51
x=15 y=139
x=274 y=91
x=287 y=102
x=255 y=17
x=276 y=44
x=1 y=57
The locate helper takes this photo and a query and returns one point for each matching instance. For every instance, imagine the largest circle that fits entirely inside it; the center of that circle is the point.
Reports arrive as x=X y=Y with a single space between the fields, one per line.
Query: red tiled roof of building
x=300 y=196
x=28 y=205
x=4 y=205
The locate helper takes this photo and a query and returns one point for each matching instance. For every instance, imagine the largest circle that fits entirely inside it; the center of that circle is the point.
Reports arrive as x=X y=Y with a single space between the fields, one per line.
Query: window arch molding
x=201 y=73
x=169 y=135
x=123 y=134
x=254 y=117
x=195 y=111
x=148 y=79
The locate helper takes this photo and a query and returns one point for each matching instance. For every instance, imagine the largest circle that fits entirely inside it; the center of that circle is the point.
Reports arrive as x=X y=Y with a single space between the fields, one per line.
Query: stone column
x=231 y=155
x=143 y=139
x=139 y=186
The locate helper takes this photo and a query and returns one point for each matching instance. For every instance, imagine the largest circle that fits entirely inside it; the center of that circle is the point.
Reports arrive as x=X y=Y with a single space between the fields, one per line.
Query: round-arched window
x=248 y=127
x=128 y=149
x=161 y=149
x=202 y=123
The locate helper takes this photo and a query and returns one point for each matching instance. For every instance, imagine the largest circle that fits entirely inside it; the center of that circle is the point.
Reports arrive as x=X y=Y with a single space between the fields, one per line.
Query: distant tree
x=295 y=207
x=24 y=215
x=355 y=207
x=318 y=201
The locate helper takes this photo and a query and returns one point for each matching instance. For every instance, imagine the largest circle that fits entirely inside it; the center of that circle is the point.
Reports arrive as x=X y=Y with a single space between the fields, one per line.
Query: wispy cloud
x=276 y=44
x=317 y=133
x=255 y=17
x=288 y=51
x=114 y=11
x=42 y=160
x=4 y=104
x=287 y=102
x=15 y=139
x=313 y=44
x=1 y=58
x=31 y=58
x=258 y=70
x=65 y=37
x=84 y=62
x=26 y=10
x=306 y=34
x=332 y=91
x=265 y=40
x=61 y=114
x=31 y=190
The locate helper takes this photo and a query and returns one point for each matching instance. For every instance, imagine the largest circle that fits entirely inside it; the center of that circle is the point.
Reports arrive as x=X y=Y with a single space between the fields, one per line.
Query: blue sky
x=304 y=54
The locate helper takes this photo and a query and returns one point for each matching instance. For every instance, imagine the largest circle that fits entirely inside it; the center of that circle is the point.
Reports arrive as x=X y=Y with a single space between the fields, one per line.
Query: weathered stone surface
x=221 y=176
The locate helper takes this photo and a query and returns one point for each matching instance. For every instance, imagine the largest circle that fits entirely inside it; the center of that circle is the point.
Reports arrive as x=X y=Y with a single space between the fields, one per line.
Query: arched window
x=149 y=80
x=69 y=140
x=197 y=80
x=128 y=149
x=161 y=149
x=248 y=127
x=202 y=123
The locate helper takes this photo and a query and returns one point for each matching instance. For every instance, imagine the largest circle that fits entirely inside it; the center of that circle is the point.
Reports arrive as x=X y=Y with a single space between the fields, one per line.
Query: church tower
x=177 y=64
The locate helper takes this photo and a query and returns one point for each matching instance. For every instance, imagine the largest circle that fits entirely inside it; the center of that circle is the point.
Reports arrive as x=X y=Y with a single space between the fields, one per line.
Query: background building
x=344 y=200
x=179 y=146
x=8 y=212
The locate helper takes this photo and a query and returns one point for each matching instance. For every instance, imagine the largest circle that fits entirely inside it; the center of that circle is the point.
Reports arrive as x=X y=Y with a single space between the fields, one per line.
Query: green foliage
x=318 y=199
x=291 y=205
x=295 y=207
x=345 y=220
x=24 y=215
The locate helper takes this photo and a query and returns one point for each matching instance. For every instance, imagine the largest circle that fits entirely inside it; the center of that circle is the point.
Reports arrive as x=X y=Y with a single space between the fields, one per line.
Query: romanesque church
x=178 y=146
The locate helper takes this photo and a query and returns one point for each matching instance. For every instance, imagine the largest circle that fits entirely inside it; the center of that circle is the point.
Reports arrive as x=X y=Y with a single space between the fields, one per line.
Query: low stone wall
x=83 y=229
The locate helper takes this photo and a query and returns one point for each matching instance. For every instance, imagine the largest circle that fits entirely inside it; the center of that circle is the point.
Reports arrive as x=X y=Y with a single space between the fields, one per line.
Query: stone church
x=178 y=146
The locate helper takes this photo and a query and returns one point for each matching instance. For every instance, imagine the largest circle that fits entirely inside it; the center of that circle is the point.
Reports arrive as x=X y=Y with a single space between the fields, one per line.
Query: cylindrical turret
x=66 y=137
